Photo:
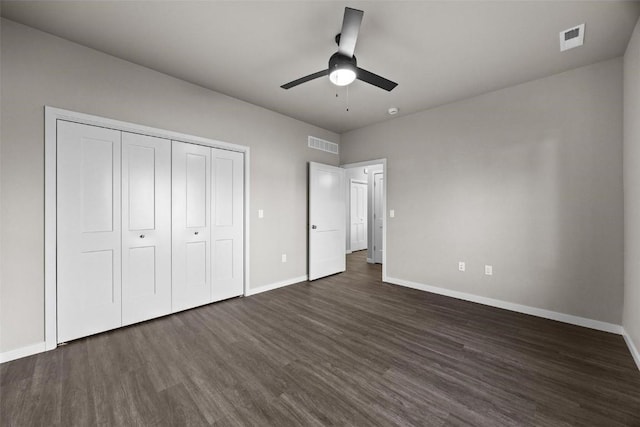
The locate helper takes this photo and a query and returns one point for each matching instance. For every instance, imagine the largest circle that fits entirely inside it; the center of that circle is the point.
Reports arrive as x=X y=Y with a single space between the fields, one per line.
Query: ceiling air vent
x=321 y=144
x=573 y=37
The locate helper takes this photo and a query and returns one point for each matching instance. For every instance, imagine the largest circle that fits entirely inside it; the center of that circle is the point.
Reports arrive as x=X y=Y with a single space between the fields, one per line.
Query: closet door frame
x=52 y=116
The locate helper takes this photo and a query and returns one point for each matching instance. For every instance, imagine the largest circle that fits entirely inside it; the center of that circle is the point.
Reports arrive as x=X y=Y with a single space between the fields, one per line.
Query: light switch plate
x=392 y=213
x=462 y=266
x=260 y=213
x=284 y=257
x=488 y=270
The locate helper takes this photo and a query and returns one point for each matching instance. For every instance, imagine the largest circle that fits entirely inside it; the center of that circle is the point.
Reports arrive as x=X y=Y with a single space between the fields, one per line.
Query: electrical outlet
x=462 y=266
x=284 y=257
x=488 y=270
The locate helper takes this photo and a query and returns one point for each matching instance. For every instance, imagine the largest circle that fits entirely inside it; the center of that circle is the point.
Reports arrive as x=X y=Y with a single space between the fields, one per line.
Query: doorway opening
x=366 y=219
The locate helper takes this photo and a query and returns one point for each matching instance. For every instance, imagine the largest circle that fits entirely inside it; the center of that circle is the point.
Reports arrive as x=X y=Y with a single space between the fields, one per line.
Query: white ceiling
x=438 y=52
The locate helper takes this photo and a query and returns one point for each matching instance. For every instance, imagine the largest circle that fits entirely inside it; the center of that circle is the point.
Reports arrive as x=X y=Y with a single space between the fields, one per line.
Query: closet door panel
x=196 y=263
x=141 y=281
x=140 y=166
x=191 y=225
x=227 y=205
x=196 y=172
x=146 y=234
x=88 y=230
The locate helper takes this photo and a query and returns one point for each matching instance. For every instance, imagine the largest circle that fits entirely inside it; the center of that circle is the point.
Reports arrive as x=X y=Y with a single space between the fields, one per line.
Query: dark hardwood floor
x=345 y=350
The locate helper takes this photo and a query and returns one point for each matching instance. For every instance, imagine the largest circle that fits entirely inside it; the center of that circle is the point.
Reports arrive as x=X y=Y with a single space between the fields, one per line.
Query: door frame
x=373 y=229
x=51 y=117
x=384 y=205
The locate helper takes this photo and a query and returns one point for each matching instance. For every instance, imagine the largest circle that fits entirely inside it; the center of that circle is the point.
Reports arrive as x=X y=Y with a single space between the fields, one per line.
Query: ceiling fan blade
x=350 y=28
x=305 y=79
x=376 y=80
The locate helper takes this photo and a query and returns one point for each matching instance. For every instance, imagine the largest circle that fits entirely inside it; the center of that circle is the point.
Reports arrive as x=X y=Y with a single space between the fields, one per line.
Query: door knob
x=313 y=227
x=142 y=236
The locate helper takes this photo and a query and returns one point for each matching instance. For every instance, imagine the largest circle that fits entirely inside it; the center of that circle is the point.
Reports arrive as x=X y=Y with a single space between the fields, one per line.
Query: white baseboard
x=632 y=348
x=349 y=251
x=539 y=312
x=370 y=260
x=276 y=285
x=18 y=353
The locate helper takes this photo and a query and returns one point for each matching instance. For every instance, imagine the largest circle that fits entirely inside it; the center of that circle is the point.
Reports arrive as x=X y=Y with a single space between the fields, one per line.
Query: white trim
x=52 y=113
x=277 y=285
x=632 y=348
x=357 y=181
x=364 y=163
x=349 y=251
x=370 y=261
x=18 y=353
x=50 y=239
x=384 y=214
x=247 y=219
x=51 y=117
x=534 y=311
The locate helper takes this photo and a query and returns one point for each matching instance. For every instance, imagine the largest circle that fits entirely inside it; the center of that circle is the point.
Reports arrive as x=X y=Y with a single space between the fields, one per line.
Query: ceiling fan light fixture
x=342 y=69
x=342 y=76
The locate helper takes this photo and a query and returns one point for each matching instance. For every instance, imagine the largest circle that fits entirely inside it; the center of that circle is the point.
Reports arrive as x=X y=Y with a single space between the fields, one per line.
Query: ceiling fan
x=343 y=67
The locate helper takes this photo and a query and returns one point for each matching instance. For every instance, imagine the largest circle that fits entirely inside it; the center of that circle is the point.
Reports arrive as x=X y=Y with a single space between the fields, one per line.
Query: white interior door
x=358 y=214
x=191 y=226
x=227 y=224
x=378 y=206
x=327 y=220
x=146 y=227
x=88 y=228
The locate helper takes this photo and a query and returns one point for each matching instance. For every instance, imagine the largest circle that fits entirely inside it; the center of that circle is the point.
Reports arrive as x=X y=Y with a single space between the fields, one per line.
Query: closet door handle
x=142 y=236
x=196 y=233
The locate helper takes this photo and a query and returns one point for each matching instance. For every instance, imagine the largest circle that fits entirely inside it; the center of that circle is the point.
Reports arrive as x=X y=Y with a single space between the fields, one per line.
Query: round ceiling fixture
x=342 y=69
x=393 y=111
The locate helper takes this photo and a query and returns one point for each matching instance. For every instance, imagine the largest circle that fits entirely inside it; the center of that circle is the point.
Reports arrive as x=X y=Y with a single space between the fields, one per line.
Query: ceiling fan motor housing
x=342 y=62
x=342 y=69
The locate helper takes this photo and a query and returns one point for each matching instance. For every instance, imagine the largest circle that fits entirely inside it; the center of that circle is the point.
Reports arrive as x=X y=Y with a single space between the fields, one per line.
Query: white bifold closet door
x=208 y=193
x=88 y=230
x=146 y=227
x=227 y=214
x=191 y=194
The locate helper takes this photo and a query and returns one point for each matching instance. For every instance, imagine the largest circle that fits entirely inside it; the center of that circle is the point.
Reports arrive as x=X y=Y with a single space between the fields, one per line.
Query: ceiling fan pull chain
x=347 y=97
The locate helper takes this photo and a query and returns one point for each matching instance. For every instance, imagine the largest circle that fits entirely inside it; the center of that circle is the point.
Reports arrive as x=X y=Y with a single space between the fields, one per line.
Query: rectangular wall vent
x=321 y=144
x=573 y=37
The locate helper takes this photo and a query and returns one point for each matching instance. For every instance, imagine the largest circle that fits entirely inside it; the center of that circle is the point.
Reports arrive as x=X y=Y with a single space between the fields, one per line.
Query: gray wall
x=631 y=321
x=39 y=69
x=527 y=179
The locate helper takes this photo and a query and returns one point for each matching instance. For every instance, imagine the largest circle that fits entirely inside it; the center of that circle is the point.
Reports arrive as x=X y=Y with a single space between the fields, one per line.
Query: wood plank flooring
x=345 y=350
